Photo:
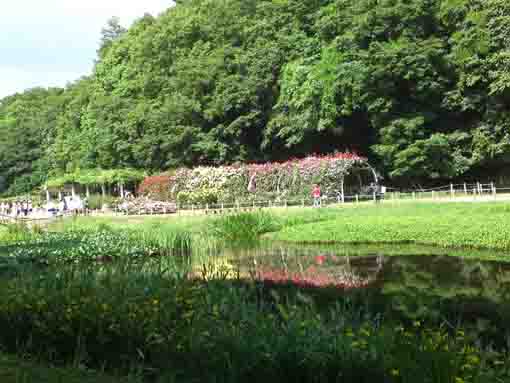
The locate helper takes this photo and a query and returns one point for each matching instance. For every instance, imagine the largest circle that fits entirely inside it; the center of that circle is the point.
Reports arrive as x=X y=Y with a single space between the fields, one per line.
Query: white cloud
x=51 y=42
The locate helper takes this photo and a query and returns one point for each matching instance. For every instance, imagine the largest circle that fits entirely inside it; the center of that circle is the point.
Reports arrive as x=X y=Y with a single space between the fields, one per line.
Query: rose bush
x=156 y=186
x=272 y=180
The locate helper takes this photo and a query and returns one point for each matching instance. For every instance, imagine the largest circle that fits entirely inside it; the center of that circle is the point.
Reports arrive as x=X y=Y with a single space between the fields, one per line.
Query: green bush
x=244 y=227
x=199 y=197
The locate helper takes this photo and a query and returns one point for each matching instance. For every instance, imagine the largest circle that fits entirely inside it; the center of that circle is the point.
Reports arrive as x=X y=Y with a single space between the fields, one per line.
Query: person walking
x=316 y=194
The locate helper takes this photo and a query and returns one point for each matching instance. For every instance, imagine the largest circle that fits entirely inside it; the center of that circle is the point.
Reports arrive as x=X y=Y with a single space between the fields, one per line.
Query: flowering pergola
x=274 y=180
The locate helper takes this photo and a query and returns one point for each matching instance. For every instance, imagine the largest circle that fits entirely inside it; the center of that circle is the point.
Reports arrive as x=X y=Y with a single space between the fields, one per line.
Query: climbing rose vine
x=272 y=180
x=156 y=186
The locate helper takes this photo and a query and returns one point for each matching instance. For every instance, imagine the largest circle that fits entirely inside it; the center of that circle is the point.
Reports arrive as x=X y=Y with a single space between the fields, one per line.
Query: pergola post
x=342 y=189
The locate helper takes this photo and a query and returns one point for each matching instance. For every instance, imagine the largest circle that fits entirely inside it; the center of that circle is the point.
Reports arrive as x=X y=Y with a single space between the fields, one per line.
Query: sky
x=53 y=42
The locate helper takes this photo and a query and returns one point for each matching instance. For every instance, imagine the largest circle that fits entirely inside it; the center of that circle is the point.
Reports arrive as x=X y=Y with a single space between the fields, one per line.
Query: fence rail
x=473 y=192
x=476 y=192
x=27 y=220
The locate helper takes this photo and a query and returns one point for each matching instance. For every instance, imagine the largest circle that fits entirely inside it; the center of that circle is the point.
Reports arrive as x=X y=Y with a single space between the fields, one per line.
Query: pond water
x=411 y=281
x=412 y=267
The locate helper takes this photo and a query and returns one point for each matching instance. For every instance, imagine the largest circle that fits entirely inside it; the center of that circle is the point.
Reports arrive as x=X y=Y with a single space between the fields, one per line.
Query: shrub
x=199 y=197
x=157 y=187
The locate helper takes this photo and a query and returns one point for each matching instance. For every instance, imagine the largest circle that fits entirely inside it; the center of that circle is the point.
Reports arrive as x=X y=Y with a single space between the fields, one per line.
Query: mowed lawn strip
x=484 y=225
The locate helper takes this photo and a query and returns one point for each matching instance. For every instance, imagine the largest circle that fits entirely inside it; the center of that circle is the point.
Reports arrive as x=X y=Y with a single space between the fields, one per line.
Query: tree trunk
x=87 y=191
x=103 y=190
x=73 y=191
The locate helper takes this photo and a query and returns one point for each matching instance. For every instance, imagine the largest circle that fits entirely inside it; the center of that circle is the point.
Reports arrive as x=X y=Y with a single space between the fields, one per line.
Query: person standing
x=16 y=210
x=252 y=184
x=86 y=206
x=316 y=194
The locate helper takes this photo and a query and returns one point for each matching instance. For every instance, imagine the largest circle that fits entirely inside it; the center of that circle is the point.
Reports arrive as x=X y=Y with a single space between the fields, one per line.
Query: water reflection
x=410 y=281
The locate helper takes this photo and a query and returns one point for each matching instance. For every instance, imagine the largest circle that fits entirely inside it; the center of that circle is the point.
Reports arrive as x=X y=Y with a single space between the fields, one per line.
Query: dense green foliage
x=420 y=86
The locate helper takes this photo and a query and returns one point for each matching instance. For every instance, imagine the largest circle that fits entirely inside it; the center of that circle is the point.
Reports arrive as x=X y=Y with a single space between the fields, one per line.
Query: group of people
x=68 y=204
x=17 y=208
x=26 y=208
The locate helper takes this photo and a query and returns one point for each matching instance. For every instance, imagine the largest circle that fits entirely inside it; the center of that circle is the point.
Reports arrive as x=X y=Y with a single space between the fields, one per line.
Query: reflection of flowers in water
x=323 y=270
x=319 y=259
x=309 y=279
x=313 y=276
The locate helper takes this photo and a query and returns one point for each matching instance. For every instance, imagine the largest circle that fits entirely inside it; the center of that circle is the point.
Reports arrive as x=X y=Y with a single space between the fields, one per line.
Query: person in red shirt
x=316 y=194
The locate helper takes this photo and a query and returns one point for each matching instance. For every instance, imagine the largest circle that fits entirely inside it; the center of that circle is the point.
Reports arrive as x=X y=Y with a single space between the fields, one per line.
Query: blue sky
x=52 y=42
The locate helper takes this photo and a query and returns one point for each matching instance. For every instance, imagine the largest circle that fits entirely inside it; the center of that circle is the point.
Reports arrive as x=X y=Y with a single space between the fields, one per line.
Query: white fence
x=476 y=192
x=468 y=192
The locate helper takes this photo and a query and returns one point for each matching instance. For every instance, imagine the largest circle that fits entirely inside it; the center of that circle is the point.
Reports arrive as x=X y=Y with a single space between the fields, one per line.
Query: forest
x=419 y=87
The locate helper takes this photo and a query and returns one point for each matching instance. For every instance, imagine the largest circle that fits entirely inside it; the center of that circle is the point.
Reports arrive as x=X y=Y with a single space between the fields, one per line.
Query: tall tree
x=111 y=32
x=421 y=87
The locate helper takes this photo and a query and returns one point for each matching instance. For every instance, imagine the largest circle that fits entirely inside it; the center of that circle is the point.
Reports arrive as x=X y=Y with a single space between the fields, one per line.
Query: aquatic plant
x=120 y=318
x=243 y=227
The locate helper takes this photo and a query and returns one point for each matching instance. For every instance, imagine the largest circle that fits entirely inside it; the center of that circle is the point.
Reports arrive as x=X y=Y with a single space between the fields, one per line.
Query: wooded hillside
x=421 y=87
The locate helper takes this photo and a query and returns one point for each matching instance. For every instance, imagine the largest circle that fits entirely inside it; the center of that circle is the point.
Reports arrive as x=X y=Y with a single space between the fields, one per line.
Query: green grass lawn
x=132 y=222
x=199 y=224
x=484 y=225
x=474 y=225
x=15 y=370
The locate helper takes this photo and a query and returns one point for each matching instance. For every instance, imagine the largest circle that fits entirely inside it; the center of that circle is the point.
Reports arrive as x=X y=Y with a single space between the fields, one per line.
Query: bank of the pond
x=18 y=370
x=180 y=330
x=391 y=249
x=463 y=225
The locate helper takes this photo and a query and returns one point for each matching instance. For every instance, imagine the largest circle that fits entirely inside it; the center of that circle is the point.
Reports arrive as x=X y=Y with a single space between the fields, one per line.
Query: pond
x=410 y=282
x=406 y=282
